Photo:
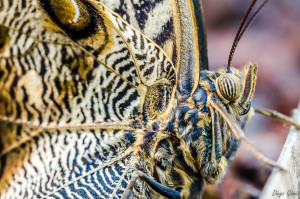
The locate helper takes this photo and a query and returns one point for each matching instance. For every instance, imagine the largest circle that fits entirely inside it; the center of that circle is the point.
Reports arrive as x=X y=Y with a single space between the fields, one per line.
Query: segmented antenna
x=243 y=28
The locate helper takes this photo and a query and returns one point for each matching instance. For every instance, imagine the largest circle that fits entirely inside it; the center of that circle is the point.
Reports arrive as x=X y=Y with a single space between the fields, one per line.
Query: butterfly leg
x=159 y=188
x=214 y=168
x=217 y=138
x=240 y=135
x=277 y=116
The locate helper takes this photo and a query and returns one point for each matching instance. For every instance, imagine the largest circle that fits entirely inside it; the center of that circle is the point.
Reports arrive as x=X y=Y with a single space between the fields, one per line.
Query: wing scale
x=54 y=75
x=51 y=79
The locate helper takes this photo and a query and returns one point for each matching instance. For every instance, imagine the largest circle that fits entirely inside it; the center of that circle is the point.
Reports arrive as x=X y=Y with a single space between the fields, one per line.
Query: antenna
x=243 y=28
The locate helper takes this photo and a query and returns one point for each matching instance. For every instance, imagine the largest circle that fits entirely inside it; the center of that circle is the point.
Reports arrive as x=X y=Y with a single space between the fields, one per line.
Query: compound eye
x=228 y=87
x=244 y=110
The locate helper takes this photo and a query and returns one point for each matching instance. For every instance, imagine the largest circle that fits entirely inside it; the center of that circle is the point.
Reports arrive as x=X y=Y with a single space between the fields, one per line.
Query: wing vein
x=120 y=181
x=112 y=161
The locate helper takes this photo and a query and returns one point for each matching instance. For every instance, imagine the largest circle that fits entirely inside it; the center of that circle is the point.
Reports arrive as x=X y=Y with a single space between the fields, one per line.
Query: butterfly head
x=228 y=87
x=198 y=121
x=236 y=88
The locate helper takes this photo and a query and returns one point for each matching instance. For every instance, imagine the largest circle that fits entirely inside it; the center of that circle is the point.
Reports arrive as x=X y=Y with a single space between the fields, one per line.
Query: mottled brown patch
x=74 y=16
x=157 y=100
x=4 y=37
x=1 y=5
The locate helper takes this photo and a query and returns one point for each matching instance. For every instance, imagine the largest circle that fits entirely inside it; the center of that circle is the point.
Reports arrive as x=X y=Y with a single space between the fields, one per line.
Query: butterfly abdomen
x=161 y=156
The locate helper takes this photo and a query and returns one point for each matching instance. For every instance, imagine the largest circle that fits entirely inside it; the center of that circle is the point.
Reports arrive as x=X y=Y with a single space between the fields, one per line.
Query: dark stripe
x=120 y=96
x=40 y=117
x=124 y=49
x=84 y=32
x=231 y=87
x=127 y=103
x=142 y=11
x=134 y=39
x=24 y=102
x=142 y=46
x=166 y=33
x=148 y=71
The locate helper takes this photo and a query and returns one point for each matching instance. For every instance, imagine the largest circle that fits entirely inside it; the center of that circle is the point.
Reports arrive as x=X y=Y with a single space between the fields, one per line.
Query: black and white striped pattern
x=72 y=164
x=49 y=79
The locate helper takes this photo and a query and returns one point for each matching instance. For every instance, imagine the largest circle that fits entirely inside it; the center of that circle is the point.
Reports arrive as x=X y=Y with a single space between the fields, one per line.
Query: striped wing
x=75 y=62
x=175 y=25
x=66 y=64
x=87 y=65
x=68 y=164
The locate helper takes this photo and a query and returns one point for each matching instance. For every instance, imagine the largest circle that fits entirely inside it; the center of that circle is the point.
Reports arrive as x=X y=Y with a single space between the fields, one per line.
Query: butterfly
x=96 y=94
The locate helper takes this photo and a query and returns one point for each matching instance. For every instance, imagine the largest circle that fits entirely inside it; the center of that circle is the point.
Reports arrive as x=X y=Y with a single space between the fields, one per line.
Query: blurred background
x=272 y=42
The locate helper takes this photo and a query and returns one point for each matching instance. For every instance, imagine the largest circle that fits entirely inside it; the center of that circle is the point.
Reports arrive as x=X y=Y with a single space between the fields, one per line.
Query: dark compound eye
x=244 y=110
x=228 y=87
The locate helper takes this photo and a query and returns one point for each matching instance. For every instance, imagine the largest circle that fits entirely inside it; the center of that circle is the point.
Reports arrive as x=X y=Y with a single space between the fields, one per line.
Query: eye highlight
x=228 y=87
